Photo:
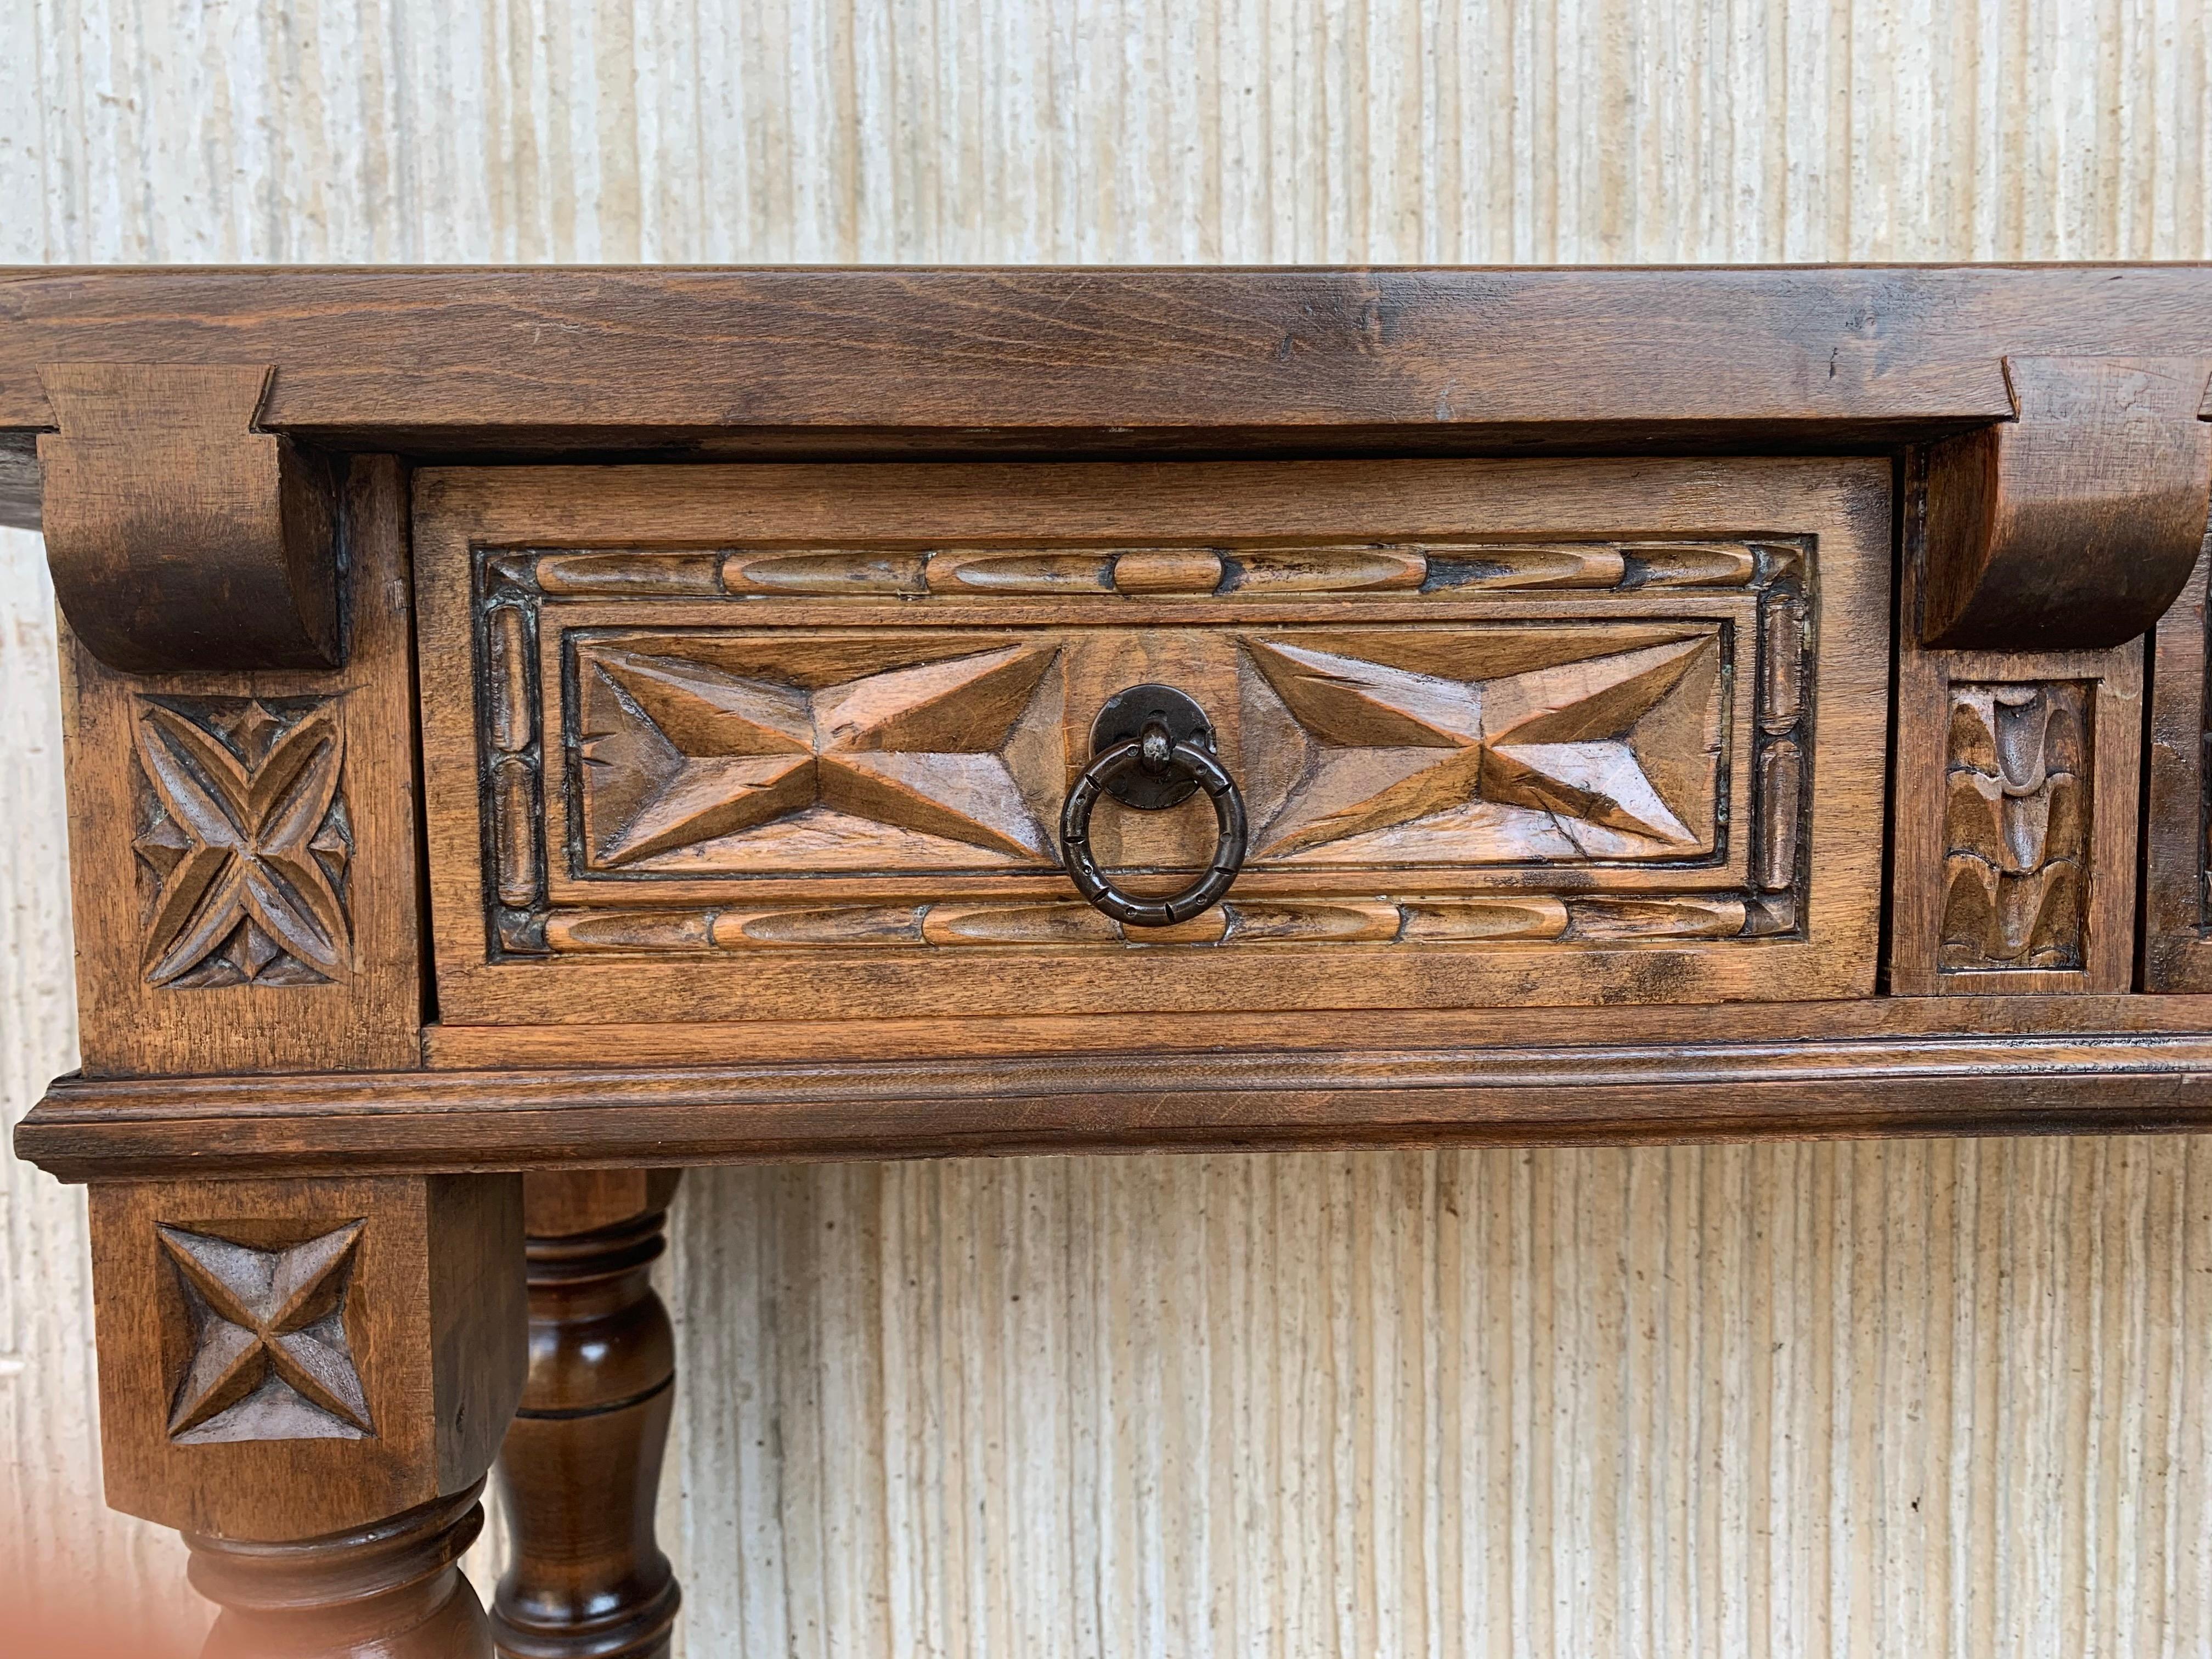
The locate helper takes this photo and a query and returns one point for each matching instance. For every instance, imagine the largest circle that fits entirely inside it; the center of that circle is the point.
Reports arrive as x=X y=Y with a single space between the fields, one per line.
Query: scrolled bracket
x=2073 y=526
x=180 y=537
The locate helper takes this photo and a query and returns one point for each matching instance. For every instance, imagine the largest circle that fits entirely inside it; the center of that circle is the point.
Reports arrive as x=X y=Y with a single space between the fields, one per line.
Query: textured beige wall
x=1795 y=1401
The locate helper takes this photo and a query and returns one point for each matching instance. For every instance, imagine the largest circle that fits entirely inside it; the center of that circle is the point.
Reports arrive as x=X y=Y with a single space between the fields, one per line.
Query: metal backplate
x=1123 y=719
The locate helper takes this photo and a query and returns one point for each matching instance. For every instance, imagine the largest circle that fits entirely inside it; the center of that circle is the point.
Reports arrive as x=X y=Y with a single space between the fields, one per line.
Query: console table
x=530 y=730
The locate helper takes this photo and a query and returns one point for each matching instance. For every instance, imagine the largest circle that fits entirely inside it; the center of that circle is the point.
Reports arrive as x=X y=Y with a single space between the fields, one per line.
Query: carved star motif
x=1398 y=745
x=269 y=1358
x=708 y=753
x=244 y=844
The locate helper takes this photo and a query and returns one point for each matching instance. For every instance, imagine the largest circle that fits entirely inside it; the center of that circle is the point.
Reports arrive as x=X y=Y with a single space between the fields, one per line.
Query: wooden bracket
x=180 y=537
x=2073 y=526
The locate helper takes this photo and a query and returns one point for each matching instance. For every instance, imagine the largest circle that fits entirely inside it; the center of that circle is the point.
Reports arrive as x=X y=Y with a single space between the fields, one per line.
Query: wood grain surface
x=711 y=363
x=2177 y=954
x=245 y=844
x=761 y=819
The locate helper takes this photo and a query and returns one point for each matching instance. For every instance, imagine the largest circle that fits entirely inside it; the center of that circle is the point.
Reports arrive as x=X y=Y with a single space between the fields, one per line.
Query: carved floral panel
x=243 y=841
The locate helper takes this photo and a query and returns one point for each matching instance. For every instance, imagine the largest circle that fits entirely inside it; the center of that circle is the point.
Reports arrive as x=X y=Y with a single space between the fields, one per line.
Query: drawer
x=793 y=742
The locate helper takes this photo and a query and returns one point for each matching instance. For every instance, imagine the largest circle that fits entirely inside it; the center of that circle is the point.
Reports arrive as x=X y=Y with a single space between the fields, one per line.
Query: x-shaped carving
x=914 y=747
x=1398 y=745
x=267 y=1321
x=241 y=840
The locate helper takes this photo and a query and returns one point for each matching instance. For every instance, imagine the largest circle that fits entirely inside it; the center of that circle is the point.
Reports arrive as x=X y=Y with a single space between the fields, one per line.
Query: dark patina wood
x=581 y=1464
x=1668 y=704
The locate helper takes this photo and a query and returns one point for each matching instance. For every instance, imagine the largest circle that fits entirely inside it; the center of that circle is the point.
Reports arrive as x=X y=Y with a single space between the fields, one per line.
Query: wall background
x=1817 y=1400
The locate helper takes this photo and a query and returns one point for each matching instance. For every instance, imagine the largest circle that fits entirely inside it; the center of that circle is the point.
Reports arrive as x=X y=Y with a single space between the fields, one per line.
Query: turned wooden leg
x=309 y=1379
x=393 y=1589
x=581 y=1466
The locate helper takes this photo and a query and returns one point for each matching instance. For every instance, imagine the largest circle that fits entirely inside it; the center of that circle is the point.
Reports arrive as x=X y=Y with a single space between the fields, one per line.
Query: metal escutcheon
x=1151 y=747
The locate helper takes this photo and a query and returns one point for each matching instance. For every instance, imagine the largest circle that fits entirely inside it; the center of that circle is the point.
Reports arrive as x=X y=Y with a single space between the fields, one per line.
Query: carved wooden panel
x=2018 y=791
x=2016 y=827
x=284 y=1358
x=1522 y=738
x=270 y=1356
x=244 y=841
x=243 y=847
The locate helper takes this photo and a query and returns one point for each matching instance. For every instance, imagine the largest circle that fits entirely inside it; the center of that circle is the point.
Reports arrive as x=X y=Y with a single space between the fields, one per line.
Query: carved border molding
x=511 y=585
x=1459 y=919
x=1254 y=573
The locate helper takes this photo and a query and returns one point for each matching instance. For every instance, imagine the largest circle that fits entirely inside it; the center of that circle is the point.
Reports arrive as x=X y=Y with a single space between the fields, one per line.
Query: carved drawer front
x=793 y=742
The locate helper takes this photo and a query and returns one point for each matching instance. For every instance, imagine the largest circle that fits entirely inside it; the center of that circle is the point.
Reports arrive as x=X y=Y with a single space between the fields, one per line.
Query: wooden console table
x=530 y=730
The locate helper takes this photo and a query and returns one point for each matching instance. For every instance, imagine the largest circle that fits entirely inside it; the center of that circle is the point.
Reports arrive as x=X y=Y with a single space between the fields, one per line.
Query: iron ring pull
x=1155 y=753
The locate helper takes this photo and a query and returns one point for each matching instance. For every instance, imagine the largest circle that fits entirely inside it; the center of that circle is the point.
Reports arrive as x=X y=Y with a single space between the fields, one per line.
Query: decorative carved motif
x=512 y=777
x=269 y=1358
x=2016 y=827
x=1272 y=572
x=1542 y=739
x=1542 y=764
x=680 y=753
x=1502 y=917
x=243 y=841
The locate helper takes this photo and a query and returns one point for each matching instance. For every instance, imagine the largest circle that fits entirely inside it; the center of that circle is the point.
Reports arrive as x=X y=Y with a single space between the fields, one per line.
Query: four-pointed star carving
x=1551 y=744
x=244 y=844
x=683 y=752
x=269 y=1358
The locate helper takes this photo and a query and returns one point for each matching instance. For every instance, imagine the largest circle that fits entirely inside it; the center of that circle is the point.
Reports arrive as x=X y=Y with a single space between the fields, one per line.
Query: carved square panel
x=244 y=843
x=304 y=1355
x=270 y=1356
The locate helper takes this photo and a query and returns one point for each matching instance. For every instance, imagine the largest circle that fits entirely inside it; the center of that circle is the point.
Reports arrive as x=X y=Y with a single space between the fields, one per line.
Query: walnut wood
x=1657 y=1025
x=180 y=536
x=887 y=362
x=243 y=847
x=392 y=1590
x=2176 y=949
x=233 y=1406
x=804 y=802
x=581 y=1465
x=1586 y=788
x=2075 y=524
x=1130 y=1100
x=2018 y=795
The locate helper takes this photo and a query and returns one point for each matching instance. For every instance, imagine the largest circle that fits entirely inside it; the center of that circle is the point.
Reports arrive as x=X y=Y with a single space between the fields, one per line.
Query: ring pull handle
x=1152 y=748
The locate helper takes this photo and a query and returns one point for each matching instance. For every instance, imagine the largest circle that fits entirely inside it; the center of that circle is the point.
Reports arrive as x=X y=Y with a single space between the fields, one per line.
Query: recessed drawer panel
x=793 y=742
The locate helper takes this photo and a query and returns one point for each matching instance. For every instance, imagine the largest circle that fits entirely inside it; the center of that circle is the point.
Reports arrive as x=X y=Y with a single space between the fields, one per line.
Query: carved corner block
x=282 y=1360
x=181 y=537
x=2016 y=802
x=2018 y=792
x=2075 y=524
x=2177 y=954
x=242 y=844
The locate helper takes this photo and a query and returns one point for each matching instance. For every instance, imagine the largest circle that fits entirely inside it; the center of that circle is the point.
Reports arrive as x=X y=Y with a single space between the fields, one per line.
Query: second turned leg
x=580 y=1469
